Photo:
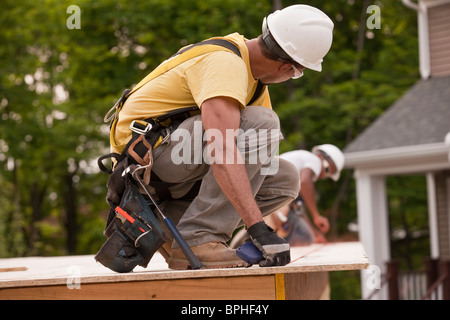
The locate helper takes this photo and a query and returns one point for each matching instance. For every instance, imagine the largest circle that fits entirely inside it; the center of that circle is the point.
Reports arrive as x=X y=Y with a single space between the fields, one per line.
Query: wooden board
x=80 y=277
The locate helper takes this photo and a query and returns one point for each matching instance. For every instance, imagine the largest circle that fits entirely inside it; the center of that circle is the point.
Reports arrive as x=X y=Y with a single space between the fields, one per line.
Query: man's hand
x=322 y=223
x=275 y=250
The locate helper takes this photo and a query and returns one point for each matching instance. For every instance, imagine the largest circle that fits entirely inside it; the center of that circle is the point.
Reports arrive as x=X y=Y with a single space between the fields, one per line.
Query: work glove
x=275 y=250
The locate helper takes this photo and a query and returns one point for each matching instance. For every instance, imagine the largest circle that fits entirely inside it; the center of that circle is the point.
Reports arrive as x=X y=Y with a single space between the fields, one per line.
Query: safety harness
x=151 y=133
x=133 y=232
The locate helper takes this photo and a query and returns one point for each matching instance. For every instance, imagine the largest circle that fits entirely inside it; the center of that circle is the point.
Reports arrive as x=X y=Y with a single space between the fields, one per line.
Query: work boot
x=213 y=255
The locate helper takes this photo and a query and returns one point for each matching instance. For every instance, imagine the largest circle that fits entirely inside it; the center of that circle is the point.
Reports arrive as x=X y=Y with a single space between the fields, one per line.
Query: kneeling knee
x=290 y=176
x=259 y=118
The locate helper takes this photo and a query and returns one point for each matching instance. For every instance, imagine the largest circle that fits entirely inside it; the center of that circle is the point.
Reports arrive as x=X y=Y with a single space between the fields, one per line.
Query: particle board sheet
x=73 y=270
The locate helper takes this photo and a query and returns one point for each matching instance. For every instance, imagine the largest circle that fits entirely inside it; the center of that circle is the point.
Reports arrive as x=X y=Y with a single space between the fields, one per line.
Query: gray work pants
x=210 y=216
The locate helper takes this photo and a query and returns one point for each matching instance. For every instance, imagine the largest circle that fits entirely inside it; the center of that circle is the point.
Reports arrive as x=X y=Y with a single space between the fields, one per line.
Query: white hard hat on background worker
x=335 y=155
x=300 y=33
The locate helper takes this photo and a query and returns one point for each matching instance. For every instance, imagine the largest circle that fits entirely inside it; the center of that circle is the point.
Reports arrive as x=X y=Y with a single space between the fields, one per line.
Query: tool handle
x=126 y=216
x=122 y=212
x=194 y=262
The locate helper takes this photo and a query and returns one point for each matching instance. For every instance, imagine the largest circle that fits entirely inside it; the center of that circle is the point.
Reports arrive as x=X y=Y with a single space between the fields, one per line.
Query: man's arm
x=219 y=114
x=308 y=193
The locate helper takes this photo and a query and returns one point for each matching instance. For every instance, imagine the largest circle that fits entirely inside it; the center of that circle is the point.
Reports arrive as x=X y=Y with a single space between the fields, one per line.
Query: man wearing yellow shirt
x=215 y=147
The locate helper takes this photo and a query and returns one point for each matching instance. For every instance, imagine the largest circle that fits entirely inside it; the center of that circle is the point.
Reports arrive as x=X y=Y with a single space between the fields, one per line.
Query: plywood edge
x=149 y=276
x=53 y=271
x=222 y=288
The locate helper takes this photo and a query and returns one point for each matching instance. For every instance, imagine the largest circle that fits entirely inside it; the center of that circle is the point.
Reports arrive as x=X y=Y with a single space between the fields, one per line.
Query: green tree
x=56 y=86
x=365 y=71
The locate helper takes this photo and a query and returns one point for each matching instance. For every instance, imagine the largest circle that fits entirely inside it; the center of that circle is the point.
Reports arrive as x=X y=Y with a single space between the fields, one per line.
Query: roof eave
x=418 y=158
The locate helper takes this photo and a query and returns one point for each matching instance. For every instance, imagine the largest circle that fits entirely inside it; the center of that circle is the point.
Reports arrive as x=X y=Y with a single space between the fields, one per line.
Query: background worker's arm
x=308 y=194
x=219 y=114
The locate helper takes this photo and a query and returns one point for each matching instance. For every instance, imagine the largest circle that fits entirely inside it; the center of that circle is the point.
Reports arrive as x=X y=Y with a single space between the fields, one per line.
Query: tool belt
x=132 y=242
x=134 y=234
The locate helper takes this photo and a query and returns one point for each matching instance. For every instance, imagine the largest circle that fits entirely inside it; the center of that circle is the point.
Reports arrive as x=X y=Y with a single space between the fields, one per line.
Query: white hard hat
x=301 y=33
x=333 y=153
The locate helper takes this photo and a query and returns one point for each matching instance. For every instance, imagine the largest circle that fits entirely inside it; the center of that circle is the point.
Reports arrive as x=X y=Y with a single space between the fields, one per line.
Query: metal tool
x=193 y=260
x=249 y=253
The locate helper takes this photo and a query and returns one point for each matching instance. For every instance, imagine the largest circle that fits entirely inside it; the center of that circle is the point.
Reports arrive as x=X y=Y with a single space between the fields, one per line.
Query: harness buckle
x=140 y=127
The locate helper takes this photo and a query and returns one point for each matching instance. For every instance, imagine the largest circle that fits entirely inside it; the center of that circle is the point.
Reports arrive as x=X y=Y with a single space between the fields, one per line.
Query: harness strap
x=187 y=53
x=147 y=160
x=259 y=89
x=216 y=41
x=184 y=54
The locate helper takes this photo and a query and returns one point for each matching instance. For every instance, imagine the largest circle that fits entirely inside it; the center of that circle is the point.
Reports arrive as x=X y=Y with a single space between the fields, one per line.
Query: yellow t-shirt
x=220 y=73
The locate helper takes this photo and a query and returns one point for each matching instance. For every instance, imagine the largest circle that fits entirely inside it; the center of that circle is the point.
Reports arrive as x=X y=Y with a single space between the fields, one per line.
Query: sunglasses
x=297 y=73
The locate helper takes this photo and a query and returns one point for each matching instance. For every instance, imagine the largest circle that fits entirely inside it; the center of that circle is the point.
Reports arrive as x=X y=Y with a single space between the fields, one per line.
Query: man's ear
x=285 y=66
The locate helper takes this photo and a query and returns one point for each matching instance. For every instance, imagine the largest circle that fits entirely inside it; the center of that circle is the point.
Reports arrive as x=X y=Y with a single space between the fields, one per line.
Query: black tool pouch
x=131 y=243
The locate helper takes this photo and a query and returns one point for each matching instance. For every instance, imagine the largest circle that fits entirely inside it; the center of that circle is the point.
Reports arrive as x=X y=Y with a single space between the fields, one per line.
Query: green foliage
x=345 y=285
x=408 y=219
x=338 y=103
x=57 y=84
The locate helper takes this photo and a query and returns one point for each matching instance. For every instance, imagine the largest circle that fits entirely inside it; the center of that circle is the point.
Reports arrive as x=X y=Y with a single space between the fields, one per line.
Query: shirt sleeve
x=218 y=74
x=304 y=159
x=315 y=165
